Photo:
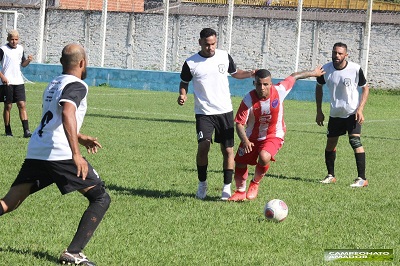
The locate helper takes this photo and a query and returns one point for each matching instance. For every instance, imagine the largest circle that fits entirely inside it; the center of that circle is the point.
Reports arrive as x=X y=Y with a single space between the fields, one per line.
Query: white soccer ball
x=276 y=210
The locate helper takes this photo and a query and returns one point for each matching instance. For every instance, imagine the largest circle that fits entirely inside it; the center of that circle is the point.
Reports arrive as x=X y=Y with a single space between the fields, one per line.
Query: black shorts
x=222 y=124
x=12 y=93
x=44 y=173
x=339 y=126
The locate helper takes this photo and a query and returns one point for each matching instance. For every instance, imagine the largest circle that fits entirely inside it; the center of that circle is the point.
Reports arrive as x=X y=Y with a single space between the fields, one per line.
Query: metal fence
x=171 y=45
x=382 y=6
x=330 y=4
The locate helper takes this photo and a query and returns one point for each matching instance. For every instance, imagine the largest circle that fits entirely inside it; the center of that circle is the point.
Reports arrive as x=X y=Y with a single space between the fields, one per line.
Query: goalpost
x=5 y=28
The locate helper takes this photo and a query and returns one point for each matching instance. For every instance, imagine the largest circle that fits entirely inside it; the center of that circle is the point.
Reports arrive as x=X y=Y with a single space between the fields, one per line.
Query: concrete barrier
x=157 y=80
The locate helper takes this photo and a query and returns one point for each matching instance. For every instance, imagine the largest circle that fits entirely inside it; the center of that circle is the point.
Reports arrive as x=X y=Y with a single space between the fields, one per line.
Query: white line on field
x=326 y=122
x=191 y=116
x=109 y=94
x=142 y=113
x=120 y=94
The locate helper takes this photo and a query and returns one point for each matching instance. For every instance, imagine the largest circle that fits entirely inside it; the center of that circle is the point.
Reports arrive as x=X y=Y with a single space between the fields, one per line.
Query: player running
x=261 y=128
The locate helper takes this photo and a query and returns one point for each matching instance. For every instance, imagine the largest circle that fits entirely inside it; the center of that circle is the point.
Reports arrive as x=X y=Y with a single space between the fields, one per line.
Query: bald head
x=73 y=60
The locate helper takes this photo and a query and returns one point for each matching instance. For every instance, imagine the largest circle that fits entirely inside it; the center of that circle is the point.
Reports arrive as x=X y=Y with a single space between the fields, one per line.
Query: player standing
x=12 y=57
x=343 y=79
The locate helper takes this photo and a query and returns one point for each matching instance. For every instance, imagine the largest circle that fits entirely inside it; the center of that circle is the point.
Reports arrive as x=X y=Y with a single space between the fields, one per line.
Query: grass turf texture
x=148 y=163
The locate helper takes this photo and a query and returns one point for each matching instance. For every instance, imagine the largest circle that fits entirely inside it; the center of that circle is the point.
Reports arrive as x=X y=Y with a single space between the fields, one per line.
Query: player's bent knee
x=264 y=157
x=355 y=142
x=98 y=194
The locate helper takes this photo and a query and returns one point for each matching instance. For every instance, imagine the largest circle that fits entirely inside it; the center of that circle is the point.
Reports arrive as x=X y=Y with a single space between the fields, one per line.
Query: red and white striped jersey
x=264 y=118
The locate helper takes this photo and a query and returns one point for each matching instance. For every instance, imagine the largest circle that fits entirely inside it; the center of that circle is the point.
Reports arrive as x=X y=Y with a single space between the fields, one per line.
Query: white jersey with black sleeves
x=48 y=141
x=343 y=88
x=210 y=82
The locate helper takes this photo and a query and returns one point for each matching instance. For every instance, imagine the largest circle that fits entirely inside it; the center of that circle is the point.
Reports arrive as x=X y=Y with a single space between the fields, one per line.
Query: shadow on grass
x=159 y=194
x=148 y=193
x=142 y=118
x=37 y=254
x=296 y=178
x=156 y=194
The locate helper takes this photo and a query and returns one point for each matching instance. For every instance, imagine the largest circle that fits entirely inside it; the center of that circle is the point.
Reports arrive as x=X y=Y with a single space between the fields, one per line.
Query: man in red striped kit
x=261 y=128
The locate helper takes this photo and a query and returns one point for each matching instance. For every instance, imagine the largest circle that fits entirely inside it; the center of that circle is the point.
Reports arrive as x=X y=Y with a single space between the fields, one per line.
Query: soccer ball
x=276 y=210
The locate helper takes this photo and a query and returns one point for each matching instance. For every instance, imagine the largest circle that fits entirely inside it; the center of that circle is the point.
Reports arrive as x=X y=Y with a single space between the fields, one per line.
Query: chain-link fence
x=165 y=33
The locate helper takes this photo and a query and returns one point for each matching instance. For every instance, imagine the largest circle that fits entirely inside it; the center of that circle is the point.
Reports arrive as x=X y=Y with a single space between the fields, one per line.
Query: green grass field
x=148 y=163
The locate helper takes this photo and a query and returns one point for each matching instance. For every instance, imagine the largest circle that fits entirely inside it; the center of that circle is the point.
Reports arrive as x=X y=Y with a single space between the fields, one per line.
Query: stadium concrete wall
x=135 y=40
x=156 y=80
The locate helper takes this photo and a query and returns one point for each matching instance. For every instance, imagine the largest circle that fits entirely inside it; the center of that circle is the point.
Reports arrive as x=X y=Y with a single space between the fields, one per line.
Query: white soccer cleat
x=226 y=192
x=329 y=179
x=359 y=182
x=202 y=190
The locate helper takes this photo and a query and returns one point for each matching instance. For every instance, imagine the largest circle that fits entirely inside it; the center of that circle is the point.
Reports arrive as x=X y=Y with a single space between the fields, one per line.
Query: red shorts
x=271 y=145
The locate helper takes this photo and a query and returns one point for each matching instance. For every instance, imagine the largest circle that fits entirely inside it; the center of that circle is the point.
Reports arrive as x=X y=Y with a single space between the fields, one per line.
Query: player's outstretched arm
x=318 y=71
x=243 y=74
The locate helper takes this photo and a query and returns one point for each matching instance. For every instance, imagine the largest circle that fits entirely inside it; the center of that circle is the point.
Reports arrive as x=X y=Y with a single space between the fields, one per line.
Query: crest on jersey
x=221 y=68
x=275 y=103
x=347 y=82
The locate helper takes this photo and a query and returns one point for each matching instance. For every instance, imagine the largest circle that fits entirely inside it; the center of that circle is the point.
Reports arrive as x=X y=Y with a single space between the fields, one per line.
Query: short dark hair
x=207 y=32
x=262 y=73
x=340 y=44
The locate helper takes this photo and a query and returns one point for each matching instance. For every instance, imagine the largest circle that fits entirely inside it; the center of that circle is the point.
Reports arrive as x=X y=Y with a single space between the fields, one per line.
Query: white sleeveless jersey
x=11 y=64
x=48 y=141
x=210 y=83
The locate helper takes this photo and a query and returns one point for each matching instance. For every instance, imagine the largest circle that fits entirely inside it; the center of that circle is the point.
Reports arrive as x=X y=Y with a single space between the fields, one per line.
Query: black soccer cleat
x=67 y=258
x=27 y=134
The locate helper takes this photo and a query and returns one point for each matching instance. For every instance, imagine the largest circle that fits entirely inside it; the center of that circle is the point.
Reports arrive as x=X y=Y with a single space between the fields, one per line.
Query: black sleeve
x=1 y=54
x=186 y=75
x=232 y=65
x=361 y=78
x=73 y=92
x=321 y=80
